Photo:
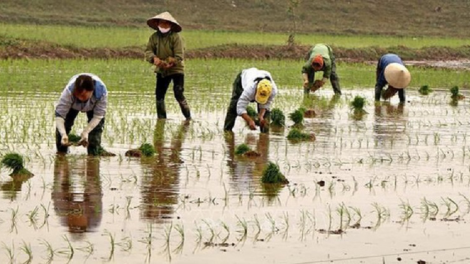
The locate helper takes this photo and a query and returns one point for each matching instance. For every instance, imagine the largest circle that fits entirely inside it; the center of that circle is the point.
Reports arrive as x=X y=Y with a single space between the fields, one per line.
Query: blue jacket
x=384 y=61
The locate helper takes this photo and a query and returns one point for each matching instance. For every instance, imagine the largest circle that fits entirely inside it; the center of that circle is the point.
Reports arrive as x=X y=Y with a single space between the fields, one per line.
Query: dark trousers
x=94 y=138
x=232 y=115
x=161 y=88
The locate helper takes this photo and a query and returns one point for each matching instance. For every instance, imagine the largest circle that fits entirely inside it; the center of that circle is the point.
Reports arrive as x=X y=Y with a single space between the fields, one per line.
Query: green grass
x=119 y=37
x=136 y=75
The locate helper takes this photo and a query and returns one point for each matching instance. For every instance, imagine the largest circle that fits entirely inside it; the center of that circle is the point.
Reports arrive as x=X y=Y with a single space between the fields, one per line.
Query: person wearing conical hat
x=165 y=51
x=392 y=71
x=251 y=85
x=320 y=58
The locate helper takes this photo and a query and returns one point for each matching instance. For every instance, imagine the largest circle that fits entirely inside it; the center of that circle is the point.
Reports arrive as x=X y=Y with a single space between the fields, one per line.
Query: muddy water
x=391 y=186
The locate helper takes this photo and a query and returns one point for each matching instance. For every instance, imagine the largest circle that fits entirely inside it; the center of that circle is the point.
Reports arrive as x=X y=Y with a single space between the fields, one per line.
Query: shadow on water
x=77 y=193
x=160 y=179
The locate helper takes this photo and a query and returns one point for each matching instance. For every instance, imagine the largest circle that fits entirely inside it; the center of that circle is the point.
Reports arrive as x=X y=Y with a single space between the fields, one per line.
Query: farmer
x=251 y=85
x=85 y=93
x=391 y=71
x=320 y=58
x=165 y=51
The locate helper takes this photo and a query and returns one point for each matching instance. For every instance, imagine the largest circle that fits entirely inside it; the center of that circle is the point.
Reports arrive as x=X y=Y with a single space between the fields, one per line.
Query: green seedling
x=147 y=150
x=358 y=103
x=242 y=149
x=425 y=90
x=251 y=112
x=297 y=135
x=297 y=116
x=271 y=174
x=15 y=162
x=455 y=93
x=278 y=118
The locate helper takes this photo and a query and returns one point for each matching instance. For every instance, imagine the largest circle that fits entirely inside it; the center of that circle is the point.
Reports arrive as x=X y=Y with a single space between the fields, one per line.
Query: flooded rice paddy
x=392 y=186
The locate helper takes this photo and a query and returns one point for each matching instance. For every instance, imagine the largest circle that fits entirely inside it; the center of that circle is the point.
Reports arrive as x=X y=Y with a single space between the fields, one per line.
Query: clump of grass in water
x=15 y=162
x=358 y=103
x=271 y=174
x=297 y=116
x=297 y=135
x=455 y=93
x=73 y=138
x=425 y=90
x=147 y=150
x=278 y=118
x=242 y=149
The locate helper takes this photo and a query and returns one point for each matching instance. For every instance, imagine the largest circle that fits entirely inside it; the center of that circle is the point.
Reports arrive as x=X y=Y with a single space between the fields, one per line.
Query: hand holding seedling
x=251 y=124
x=84 y=140
x=65 y=140
x=318 y=84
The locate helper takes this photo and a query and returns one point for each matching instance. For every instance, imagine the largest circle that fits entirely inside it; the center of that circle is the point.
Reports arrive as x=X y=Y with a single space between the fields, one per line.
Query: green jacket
x=327 y=53
x=163 y=46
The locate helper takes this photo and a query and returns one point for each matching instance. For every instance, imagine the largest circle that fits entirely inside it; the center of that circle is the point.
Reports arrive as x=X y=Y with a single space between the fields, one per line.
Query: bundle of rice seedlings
x=278 y=118
x=271 y=174
x=73 y=138
x=15 y=162
x=425 y=90
x=358 y=103
x=241 y=149
x=147 y=150
x=455 y=93
x=297 y=116
x=297 y=135
x=251 y=112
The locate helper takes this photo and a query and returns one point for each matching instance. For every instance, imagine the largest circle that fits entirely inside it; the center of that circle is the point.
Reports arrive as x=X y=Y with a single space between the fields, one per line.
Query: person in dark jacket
x=165 y=51
x=320 y=58
x=392 y=71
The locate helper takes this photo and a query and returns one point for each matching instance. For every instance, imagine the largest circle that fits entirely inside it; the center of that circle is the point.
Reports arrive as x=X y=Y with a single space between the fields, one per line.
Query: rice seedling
x=26 y=248
x=242 y=149
x=89 y=249
x=407 y=211
x=244 y=231
x=49 y=249
x=455 y=93
x=297 y=135
x=112 y=243
x=381 y=213
x=15 y=162
x=227 y=230
x=278 y=118
x=425 y=90
x=448 y=203
x=272 y=174
x=297 y=117
x=358 y=103
x=68 y=251
x=10 y=252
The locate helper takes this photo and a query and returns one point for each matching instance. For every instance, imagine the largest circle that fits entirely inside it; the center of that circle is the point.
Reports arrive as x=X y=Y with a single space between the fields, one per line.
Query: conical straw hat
x=153 y=22
x=397 y=75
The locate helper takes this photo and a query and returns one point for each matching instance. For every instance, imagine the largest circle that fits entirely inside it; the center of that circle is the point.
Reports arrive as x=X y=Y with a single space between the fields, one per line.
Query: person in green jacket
x=165 y=51
x=320 y=58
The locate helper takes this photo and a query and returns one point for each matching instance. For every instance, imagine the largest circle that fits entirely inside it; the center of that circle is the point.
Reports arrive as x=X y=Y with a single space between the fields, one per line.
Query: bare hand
x=65 y=140
x=157 y=62
x=252 y=124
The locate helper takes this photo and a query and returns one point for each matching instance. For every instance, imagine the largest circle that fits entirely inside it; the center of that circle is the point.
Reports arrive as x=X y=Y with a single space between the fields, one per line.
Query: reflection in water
x=161 y=178
x=246 y=172
x=11 y=188
x=77 y=193
x=389 y=123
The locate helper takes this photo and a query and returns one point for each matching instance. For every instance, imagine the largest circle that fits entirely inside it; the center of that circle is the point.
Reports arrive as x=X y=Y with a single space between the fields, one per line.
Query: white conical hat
x=153 y=22
x=397 y=75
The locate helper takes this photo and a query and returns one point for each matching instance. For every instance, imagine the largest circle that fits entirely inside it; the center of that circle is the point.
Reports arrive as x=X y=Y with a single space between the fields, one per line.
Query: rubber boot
x=336 y=87
x=378 y=93
x=185 y=109
x=161 y=110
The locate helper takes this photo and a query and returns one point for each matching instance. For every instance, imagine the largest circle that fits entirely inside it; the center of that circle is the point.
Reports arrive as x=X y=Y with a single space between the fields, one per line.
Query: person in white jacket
x=251 y=85
x=85 y=92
